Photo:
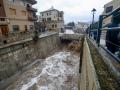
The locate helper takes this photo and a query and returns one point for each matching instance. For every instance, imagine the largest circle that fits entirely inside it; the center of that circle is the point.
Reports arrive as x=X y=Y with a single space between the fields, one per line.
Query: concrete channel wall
x=16 y=56
x=109 y=60
x=88 y=77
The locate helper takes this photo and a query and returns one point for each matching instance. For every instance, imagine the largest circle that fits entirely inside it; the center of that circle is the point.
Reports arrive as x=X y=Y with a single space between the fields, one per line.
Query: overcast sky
x=74 y=10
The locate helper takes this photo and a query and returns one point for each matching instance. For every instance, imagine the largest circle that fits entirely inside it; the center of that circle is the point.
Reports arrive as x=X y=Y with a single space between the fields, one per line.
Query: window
x=11 y=0
x=53 y=26
x=44 y=20
x=15 y=28
x=48 y=19
x=60 y=15
x=25 y=27
x=12 y=11
x=23 y=13
x=62 y=30
x=2 y=19
x=109 y=9
x=49 y=13
x=31 y=27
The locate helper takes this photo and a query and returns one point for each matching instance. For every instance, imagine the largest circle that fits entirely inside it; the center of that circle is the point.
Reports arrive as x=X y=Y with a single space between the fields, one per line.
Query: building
x=54 y=19
x=17 y=16
x=111 y=37
x=81 y=27
x=108 y=8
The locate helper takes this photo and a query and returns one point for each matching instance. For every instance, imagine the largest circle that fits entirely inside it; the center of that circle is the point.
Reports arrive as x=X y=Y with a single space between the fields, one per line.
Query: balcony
x=32 y=1
x=4 y=21
x=32 y=18
x=29 y=8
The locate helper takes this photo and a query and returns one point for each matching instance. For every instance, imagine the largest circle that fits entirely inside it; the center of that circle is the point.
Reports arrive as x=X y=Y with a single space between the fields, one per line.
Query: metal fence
x=108 y=36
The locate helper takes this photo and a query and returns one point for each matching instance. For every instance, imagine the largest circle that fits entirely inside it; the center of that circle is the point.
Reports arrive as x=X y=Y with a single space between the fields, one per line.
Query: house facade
x=108 y=8
x=81 y=27
x=17 y=16
x=54 y=19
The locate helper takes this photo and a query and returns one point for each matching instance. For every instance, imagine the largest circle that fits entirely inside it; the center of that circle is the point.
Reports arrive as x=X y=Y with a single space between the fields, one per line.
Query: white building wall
x=60 y=26
x=50 y=14
x=55 y=19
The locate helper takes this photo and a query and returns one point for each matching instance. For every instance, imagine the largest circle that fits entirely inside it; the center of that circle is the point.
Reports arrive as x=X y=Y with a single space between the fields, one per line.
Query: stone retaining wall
x=16 y=56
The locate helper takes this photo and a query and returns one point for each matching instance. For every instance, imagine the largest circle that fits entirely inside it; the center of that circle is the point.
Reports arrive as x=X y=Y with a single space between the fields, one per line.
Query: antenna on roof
x=52 y=7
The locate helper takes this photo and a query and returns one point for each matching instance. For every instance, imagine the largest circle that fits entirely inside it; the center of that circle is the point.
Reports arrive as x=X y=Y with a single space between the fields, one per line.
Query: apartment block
x=54 y=19
x=108 y=8
x=17 y=16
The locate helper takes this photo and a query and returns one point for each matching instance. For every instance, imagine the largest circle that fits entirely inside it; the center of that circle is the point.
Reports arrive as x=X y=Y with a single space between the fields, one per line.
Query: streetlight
x=91 y=26
x=93 y=12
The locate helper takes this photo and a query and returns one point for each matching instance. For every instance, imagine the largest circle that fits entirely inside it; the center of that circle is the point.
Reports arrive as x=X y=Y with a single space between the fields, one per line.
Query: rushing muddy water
x=57 y=72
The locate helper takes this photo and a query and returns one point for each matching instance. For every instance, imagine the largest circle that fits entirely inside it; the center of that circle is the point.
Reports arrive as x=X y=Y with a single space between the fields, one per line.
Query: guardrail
x=13 y=37
x=108 y=37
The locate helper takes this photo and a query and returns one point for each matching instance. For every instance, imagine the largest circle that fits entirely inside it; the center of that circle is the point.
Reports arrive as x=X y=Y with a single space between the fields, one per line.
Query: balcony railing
x=29 y=8
x=4 y=21
x=12 y=37
x=32 y=18
x=32 y=1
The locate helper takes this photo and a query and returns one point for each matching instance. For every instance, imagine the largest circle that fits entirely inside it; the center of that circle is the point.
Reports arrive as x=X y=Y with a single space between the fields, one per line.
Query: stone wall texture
x=14 y=57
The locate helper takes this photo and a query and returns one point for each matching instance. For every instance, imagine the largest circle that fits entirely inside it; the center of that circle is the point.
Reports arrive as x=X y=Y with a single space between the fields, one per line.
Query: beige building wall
x=107 y=20
x=51 y=26
x=60 y=25
x=0 y=32
x=115 y=4
x=19 y=18
x=21 y=24
x=57 y=26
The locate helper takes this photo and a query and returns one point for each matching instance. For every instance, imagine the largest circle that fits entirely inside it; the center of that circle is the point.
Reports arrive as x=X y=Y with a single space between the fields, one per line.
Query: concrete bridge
x=75 y=36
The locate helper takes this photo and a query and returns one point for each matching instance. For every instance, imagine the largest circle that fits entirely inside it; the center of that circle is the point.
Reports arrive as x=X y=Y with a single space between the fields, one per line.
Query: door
x=25 y=28
x=4 y=30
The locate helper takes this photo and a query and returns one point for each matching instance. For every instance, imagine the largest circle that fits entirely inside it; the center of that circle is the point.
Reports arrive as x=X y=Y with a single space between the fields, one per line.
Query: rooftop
x=51 y=9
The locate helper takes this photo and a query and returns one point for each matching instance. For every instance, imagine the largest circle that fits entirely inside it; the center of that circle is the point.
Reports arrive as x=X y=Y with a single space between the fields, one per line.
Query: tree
x=71 y=24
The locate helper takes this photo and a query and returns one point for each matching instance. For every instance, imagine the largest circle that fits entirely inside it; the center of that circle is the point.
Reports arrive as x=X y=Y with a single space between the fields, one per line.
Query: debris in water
x=57 y=72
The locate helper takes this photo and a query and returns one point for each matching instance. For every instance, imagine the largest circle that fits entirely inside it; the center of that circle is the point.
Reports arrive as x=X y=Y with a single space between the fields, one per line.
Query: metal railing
x=4 y=21
x=108 y=37
x=15 y=36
